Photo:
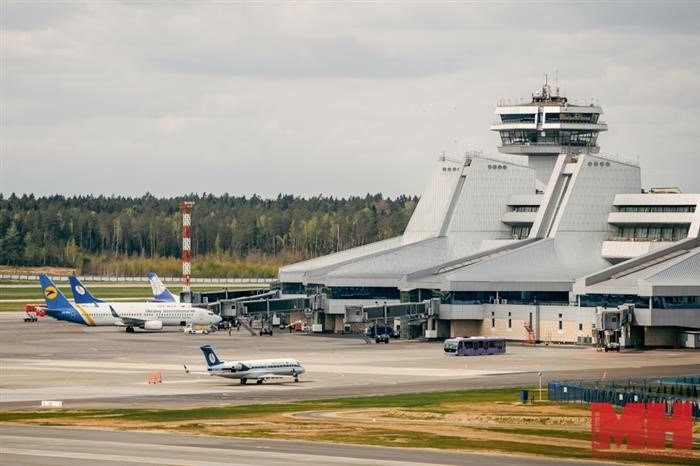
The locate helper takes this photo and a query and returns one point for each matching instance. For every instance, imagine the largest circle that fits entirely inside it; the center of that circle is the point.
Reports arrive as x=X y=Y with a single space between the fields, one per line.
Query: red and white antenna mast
x=186 y=209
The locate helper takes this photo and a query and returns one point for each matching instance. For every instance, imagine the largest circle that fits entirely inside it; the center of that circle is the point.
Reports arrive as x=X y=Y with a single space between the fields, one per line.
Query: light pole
x=385 y=318
x=539 y=374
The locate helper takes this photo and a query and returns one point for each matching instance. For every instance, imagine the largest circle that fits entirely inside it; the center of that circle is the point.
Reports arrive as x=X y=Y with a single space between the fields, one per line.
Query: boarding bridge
x=415 y=319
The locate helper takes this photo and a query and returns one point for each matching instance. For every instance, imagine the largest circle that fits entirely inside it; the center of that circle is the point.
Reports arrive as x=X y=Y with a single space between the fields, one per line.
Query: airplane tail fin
x=160 y=293
x=55 y=300
x=210 y=355
x=80 y=293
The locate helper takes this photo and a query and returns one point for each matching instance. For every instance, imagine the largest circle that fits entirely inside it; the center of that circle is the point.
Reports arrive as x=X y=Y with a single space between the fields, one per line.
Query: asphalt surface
x=104 y=368
x=30 y=446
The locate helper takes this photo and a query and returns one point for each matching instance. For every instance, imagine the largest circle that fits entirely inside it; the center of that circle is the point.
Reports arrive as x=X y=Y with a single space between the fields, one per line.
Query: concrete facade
x=509 y=243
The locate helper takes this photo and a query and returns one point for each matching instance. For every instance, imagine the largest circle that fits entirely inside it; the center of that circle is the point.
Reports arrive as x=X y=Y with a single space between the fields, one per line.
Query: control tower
x=546 y=127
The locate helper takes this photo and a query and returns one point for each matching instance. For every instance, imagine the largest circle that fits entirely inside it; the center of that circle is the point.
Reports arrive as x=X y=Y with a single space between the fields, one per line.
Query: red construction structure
x=530 y=334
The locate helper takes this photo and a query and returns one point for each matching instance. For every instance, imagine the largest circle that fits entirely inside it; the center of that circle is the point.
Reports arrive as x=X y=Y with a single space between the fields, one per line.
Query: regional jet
x=254 y=369
x=148 y=316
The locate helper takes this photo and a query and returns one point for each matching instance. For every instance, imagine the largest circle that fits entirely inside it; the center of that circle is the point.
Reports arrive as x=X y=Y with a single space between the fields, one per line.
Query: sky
x=325 y=98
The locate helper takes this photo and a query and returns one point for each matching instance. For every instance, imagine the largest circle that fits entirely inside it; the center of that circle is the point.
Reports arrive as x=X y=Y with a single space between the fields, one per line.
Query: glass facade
x=656 y=208
x=418 y=295
x=363 y=292
x=512 y=297
x=467 y=297
x=641 y=302
x=315 y=288
x=520 y=231
x=518 y=118
x=658 y=232
x=571 y=118
x=293 y=288
x=613 y=300
x=535 y=297
x=526 y=208
x=550 y=137
x=676 y=302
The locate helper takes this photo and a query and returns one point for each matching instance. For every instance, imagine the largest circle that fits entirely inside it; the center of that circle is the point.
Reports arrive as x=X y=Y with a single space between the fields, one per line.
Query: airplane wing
x=264 y=376
x=131 y=321
x=190 y=371
x=125 y=321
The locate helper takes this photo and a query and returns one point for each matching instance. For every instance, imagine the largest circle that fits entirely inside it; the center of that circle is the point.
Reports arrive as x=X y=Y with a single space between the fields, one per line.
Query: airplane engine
x=238 y=367
x=153 y=325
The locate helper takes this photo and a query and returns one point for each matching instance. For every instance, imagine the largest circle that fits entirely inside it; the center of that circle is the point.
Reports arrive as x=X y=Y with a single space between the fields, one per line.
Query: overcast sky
x=124 y=98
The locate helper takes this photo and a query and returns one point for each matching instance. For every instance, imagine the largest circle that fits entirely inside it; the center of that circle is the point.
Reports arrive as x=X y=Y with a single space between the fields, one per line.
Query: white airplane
x=160 y=293
x=254 y=369
x=148 y=316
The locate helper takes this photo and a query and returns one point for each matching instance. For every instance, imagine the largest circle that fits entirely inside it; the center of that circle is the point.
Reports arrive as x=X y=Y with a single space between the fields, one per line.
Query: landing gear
x=244 y=381
x=259 y=382
x=296 y=379
x=130 y=329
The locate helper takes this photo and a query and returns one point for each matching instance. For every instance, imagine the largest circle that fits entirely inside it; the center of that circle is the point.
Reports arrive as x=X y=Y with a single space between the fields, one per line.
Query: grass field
x=476 y=420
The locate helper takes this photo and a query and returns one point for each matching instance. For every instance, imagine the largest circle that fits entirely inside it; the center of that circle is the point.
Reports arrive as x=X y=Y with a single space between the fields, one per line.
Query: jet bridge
x=415 y=319
x=614 y=328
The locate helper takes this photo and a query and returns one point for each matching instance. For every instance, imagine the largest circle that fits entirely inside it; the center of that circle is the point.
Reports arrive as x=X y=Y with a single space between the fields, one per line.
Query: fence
x=619 y=393
x=101 y=278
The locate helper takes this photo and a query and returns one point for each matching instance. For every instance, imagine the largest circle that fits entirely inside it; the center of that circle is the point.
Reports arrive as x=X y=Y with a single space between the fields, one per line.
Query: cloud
x=310 y=97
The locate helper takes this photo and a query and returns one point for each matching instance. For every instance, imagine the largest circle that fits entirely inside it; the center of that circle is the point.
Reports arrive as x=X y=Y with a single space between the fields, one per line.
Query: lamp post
x=385 y=317
x=539 y=374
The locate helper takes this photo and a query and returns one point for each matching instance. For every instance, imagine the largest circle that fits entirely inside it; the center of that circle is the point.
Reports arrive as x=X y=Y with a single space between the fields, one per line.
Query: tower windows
x=653 y=232
x=572 y=118
x=521 y=231
x=549 y=137
x=518 y=118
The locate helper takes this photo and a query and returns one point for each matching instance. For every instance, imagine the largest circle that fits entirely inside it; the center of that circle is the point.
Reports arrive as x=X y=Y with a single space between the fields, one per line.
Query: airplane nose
x=217 y=319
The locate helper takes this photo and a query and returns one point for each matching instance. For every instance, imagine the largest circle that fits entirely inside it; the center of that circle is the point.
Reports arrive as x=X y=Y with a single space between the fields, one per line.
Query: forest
x=231 y=236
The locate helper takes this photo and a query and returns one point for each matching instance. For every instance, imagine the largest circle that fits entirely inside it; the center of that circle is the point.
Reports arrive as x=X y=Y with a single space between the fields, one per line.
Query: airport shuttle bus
x=474 y=346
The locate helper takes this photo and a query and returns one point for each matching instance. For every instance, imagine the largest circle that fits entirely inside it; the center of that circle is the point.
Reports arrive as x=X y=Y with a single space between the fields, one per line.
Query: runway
x=31 y=446
x=106 y=368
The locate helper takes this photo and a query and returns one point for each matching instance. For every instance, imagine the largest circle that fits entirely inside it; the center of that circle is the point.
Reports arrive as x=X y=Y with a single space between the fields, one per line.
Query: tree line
x=122 y=235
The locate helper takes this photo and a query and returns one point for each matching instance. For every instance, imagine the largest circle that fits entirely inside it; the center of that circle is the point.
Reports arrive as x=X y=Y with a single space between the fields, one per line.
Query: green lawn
x=418 y=400
x=545 y=441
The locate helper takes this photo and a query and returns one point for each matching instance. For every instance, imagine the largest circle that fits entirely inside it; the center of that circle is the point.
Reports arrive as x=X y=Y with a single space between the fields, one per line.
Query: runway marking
x=254 y=456
x=105 y=457
x=338 y=369
x=403 y=371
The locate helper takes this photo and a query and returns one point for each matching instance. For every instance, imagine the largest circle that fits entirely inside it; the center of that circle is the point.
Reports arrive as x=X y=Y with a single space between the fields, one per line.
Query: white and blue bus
x=474 y=346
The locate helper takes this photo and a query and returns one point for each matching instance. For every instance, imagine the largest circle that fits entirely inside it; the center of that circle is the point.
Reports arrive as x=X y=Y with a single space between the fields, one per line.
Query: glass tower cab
x=546 y=127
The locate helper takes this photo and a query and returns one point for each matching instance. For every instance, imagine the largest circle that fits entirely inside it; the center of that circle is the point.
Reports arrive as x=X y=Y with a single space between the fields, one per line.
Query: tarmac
x=104 y=367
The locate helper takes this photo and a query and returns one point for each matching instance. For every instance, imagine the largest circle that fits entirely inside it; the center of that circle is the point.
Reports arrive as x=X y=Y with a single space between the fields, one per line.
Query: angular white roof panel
x=536 y=266
x=296 y=273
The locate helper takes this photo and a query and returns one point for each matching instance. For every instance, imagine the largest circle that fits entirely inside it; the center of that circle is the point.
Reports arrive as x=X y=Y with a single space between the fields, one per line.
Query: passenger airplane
x=81 y=295
x=148 y=316
x=160 y=293
x=254 y=369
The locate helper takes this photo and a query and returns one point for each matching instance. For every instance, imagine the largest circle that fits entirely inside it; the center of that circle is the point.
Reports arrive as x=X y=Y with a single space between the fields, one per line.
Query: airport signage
x=644 y=426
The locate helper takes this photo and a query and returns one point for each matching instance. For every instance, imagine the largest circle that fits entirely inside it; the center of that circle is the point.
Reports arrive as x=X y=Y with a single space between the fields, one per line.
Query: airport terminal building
x=536 y=249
